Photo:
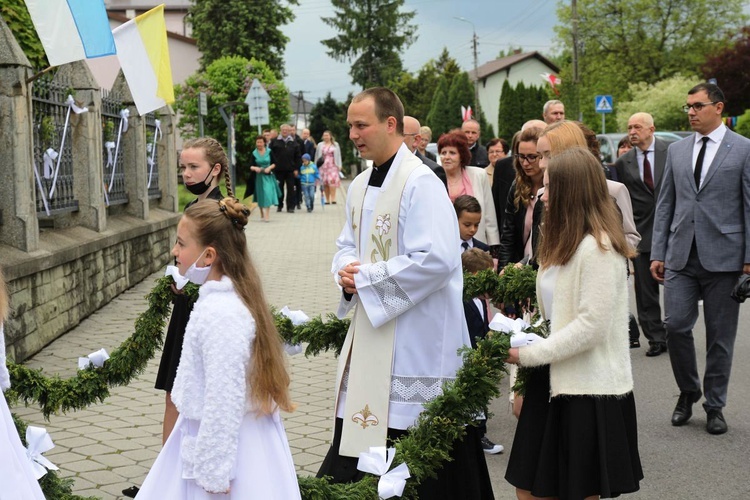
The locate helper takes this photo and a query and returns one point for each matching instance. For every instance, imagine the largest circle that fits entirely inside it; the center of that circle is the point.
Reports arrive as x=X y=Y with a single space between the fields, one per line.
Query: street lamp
x=476 y=74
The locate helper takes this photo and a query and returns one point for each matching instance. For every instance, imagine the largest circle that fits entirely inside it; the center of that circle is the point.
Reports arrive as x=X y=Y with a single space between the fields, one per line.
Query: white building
x=527 y=68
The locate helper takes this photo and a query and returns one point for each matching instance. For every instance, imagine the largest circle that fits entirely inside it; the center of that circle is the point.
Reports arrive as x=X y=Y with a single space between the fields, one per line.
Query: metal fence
x=153 y=135
x=112 y=121
x=53 y=163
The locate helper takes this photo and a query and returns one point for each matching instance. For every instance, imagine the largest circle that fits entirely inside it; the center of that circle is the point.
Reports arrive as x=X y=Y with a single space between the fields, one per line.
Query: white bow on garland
x=39 y=441
x=377 y=461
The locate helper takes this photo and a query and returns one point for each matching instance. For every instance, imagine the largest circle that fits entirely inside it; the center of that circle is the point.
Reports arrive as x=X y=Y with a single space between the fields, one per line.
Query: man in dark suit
x=700 y=247
x=412 y=137
x=288 y=158
x=641 y=170
x=471 y=130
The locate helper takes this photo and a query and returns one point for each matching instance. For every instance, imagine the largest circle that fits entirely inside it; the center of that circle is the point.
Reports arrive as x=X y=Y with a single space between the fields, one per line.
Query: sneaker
x=491 y=448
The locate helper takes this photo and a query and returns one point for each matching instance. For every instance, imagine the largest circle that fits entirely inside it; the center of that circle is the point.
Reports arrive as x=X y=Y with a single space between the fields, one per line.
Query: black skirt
x=578 y=446
x=465 y=476
x=170 y=356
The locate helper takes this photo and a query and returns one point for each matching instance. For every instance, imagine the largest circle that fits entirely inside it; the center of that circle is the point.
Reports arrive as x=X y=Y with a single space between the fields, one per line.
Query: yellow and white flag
x=143 y=51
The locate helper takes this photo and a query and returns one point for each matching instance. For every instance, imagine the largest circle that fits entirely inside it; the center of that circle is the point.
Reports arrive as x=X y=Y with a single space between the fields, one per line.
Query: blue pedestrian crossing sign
x=603 y=103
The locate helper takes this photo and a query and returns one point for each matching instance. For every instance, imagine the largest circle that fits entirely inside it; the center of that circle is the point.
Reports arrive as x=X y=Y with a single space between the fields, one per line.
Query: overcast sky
x=499 y=24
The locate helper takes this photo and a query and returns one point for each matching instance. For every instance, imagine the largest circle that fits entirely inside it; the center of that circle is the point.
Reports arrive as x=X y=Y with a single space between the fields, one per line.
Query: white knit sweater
x=587 y=348
x=211 y=385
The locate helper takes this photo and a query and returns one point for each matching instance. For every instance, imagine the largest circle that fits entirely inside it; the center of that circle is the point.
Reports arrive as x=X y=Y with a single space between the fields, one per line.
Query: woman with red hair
x=464 y=179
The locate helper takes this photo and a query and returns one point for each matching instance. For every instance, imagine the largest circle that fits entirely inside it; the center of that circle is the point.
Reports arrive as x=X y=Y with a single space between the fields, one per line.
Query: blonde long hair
x=578 y=204
x=221 y=224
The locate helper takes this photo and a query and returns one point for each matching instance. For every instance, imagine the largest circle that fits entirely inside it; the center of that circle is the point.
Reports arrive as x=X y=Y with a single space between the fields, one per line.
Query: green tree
x=663 y=100
x=372 y=33
x=249 y=29
x=640 y=41
x=439 y=119
x=17 y=17
x=330 y=115
x=461 y=93
x=224 y=80
x=743 y=124
x=510 y=115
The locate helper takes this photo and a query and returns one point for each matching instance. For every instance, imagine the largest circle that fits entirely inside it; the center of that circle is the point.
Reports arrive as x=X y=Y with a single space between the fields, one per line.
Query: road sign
x=257 y=102
x=202 y=104
x=603 y=103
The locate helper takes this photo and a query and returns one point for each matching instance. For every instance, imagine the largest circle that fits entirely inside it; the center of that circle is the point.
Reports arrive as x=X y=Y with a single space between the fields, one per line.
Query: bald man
x=641 y=170
x=534 y=123
x=412 y=139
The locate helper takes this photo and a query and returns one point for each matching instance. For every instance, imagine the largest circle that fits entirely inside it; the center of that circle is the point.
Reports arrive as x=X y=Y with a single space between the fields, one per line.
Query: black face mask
x=199 y=187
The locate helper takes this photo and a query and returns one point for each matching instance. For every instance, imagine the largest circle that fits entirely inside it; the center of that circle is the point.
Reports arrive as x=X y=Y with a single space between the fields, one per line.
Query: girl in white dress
x=17 y=481
x=229 y=441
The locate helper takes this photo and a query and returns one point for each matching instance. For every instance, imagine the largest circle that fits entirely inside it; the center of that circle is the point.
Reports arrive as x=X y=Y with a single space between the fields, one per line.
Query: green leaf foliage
x=372 y=35
x=247 y=29
x=518 y=105
x=731 y=69
x=330 y=115
x=461 y=93
x=224 y=80
x=664 y=100
x=16 y=16
x=439 y=118
x=639 y=41
x=743 y=124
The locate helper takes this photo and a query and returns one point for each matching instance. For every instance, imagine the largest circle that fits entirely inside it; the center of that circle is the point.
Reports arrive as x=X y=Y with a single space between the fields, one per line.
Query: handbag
x=320 y=161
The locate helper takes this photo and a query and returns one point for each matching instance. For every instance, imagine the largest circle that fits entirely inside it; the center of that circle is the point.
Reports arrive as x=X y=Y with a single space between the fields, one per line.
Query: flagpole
x=38 y=75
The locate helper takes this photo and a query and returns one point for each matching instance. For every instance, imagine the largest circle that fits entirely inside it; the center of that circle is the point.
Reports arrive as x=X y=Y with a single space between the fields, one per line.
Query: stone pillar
x=19 y=226
x=133 y=147
x=168 y=160
x=87 y=148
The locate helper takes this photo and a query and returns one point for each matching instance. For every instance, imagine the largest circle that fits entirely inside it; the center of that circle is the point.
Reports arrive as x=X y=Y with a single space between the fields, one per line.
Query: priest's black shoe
x=684 y=409
x=656 y=350
x=716 y=423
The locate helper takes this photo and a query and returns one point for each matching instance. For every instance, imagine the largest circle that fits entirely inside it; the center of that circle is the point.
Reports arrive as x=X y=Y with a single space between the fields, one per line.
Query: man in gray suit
x=701 y=245
x=641 y=170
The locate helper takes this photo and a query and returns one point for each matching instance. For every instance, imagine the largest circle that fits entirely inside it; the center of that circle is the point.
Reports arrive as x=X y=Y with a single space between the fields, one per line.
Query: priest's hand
x=346 y=279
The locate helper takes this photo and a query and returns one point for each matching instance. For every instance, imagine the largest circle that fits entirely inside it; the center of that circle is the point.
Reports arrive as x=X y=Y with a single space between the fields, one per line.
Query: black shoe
x=290 y=210
x=684 y=409
x=131 y=492
x=656 y=350
x=634 y=344
x=279 y=208
x=716 y=423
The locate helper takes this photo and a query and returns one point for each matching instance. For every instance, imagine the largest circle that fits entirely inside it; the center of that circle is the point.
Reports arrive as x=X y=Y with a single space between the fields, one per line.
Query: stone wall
x=65 y=256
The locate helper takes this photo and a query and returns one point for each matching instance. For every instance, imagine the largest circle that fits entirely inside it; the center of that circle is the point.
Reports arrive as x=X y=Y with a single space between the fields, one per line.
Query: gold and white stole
x=368 y=350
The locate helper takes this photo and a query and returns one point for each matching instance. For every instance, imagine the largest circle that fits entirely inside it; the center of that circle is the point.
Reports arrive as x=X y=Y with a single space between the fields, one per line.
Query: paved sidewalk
x=111 y=446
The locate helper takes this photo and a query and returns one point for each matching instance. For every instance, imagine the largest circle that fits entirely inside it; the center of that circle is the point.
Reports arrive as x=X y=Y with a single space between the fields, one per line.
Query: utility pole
x=576 y=79
x=476 y=64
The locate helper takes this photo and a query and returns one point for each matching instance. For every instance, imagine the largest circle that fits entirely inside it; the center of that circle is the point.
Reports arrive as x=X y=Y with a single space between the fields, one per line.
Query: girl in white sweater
x=229 y=441
x=586 y=443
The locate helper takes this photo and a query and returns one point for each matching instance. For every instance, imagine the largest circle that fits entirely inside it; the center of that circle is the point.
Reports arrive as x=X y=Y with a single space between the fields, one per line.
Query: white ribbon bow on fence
x=39 y=441
x=77 y=110
x=298 y=318
x=95 y=358
x=124 y=114
x=150 y=159
x=377 y=461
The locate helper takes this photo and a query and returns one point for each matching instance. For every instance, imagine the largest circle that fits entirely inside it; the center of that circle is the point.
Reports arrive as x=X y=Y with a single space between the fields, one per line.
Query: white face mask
x=194 y=274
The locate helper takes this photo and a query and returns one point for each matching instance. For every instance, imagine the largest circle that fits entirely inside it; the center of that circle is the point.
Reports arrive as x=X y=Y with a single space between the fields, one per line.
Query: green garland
x=425 y=448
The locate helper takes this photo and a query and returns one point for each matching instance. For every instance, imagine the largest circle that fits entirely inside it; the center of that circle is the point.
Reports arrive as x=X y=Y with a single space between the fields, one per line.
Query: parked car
x=432 y=148
x=608 y=142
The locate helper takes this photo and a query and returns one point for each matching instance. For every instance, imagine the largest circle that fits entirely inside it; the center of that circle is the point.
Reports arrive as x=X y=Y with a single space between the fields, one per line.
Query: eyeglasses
x=413 y=135
x=697 y=106
x=528 y=158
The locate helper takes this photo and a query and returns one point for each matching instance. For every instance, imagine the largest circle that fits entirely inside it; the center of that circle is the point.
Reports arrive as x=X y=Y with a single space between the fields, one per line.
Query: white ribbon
x=124 y=114
x=179 y=280
x=516 y=328
x=95 y=358
x=41 y=189
x=39 y=441
x=377 y=461
x=71 y=106
x=298 y=318
x=157 y=133
x=109 y=146
x=49 y=162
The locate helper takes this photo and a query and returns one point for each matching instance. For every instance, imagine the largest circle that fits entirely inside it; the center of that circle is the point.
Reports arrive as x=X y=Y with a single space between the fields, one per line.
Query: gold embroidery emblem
x=354 y=224
x=365 y=418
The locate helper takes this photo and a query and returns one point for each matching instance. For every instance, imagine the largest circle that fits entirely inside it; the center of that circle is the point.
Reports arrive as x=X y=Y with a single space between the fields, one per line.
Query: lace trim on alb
x=409 y=390
x=395 y=301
